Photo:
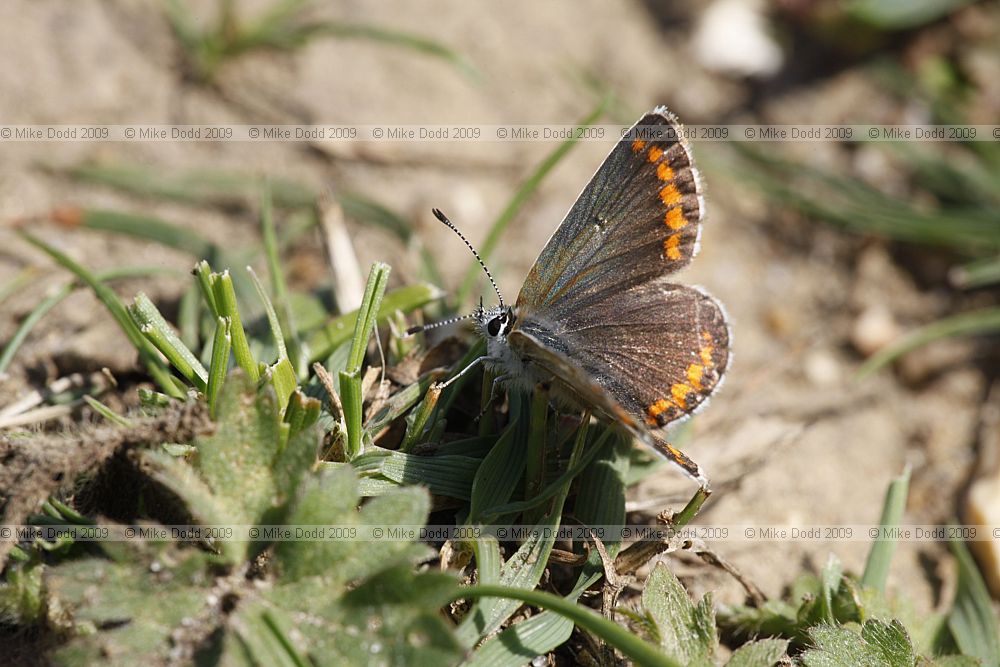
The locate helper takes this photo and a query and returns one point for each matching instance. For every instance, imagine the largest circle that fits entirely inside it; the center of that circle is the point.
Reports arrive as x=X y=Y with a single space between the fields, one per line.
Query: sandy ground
x=791 y=438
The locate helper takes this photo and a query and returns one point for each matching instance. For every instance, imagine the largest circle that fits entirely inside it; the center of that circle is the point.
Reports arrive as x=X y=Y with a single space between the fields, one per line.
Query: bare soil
x=791 y=439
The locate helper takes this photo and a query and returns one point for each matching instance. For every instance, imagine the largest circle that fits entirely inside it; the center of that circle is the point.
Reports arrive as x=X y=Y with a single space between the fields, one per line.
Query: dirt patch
x=791 y=439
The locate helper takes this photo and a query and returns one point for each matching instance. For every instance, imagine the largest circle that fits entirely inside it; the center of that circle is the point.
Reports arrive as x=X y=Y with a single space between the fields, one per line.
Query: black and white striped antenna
x=424 y=327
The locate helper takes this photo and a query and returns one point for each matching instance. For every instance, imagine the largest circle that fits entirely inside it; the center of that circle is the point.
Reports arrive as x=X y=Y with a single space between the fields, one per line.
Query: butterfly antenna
x=451 y=320
x=443 y=218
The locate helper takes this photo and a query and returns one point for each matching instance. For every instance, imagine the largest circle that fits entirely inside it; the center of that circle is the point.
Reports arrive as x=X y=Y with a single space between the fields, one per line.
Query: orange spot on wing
x=694 y=374
x=675 y=218
x=671 y=247
x=656 y=409
x=655 y=153
x=638 y=145
x=669 y=195
x=706 y=354
x=678 y=454
x=679 y=393
x=664 y=172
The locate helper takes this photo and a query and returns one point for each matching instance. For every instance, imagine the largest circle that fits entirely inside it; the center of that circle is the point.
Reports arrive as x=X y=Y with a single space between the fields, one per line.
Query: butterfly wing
x=637 y=219
x=595 y=312
x=657 y=351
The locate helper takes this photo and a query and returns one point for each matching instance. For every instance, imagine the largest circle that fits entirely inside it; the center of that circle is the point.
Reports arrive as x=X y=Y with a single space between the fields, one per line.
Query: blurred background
x=827 y=254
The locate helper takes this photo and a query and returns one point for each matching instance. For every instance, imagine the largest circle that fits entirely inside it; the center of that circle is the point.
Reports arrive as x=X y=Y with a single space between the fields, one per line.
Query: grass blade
x=339 y=330
x=880 y=557
x=972 y=621
x=405 y=40
x=151 y=323
x=622 y=639
x=206 y=282
x=225 y=298
x=18 y=282
x=521 y=643
x=367 y=315
x=978 y=322
x=976 y=274
x=416 y=425
x=351 y=400
x=272 y=316
x=282 y=377
x=53 y=300
x=106 y=412
x=303 y=411
x=893 y=15
x=536 y=462
x=291 y=342
x=147 y=353
x=517 y=202
x=219 y=368
x=445 y=475
x=142 y=227
x=524 y=569
x=350 y=378
x=189 y=317
x=198 y=186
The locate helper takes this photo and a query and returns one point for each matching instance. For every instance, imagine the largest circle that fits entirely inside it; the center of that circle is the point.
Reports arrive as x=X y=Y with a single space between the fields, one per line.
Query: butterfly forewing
x=637 y=219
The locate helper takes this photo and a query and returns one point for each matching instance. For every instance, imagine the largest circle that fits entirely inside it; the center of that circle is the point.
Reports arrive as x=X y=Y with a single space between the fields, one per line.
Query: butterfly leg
x=493 y=394
x=475 y=362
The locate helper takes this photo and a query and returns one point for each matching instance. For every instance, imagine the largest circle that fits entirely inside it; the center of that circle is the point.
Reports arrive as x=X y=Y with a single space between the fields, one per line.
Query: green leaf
x=521 y=643
x=642 y=653
x=109 y=604
x=265 y=634
x=444 y=474
x=686 y=632
x=972 y=621
x=329 y=500
x=390 y=618
x=243 y=473
x=498 y=474
x=760 y=653
x=831 y=577
x=879 y=644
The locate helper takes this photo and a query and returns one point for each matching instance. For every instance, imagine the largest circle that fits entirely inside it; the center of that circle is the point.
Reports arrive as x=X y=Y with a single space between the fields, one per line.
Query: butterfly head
x=496 y=322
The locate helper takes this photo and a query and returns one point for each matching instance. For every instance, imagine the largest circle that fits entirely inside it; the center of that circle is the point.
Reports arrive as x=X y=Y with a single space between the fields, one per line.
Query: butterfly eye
x=493 y=328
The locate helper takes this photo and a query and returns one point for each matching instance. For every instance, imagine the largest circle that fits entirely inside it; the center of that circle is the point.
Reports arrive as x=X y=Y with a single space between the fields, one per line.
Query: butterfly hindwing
x=637 y=219
x=657 y=350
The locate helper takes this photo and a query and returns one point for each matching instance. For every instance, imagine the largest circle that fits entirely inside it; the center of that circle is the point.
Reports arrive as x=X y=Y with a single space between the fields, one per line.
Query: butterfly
x=598 y=317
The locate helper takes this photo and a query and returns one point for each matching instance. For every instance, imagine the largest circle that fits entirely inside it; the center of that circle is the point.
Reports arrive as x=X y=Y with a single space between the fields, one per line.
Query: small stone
x=982 y=508
x=874 y=329
x=821 y=369
x=733 y=37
